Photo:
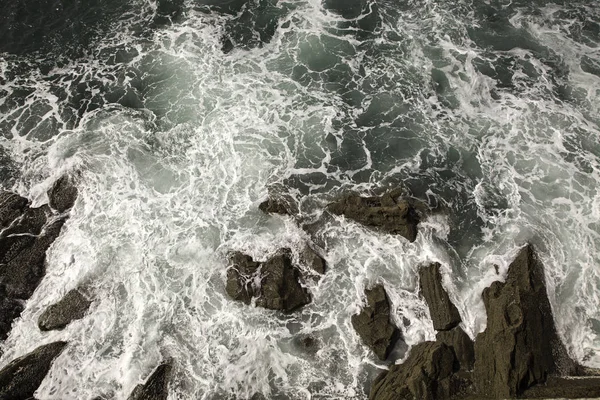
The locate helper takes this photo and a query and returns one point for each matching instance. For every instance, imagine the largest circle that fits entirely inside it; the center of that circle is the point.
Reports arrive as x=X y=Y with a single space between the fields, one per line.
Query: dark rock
x=71 y=307
x=10 y=309
x=156 y=387
x=12 y=206
x=427 y=374
x=283 y=205
x=520 y=346
x=63 y=194
x=373 y=323
x=275 y=284
x=24 y=260
x=444 y=314
x=385 y=213
x=26 y=235
x=461 y=344
x=565 y=388
x=21 y=378
x=313 y=260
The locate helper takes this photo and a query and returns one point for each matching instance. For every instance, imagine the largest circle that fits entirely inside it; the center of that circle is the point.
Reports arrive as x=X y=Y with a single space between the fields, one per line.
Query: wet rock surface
x=386 y=213
x=373 y=323
x=12 y=206
x=520 y=346
x=157 y=385
x=72 y=306
x=25 y=236
x=313 y=261
x=63 y=194
x=444 y=314
x=275 y=284
x=21 y=378
x=282 y=205
x=519 y=355
x=426 y=374
x=461 y=344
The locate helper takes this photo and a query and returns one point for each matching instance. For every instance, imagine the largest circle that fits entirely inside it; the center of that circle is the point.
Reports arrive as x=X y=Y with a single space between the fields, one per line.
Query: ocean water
x=179 y=117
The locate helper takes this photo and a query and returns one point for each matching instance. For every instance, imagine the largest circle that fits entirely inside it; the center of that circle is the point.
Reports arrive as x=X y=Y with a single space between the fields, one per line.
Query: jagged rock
x=427 y=374
x=63 y=194
x=283 y=205
x=156 y=387
x=565 y=388
x=71 y=307
x=25 y=236
x=313 y=260
x=24 y=257
x=21 y=378
x=461 y=344
x=373 y=323
x=385 y=213
x=10 y=309
x=520 y=346
x=275 y=284
x=444 y=314
x=12 y=206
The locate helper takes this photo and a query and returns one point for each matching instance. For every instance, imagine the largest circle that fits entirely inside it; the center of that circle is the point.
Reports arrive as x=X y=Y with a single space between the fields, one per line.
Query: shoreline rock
x=156 y=386
x=373 y=324
x=519 y=355
x=20 y=379
x=520 y=346
x=386 y=213
x=25 y=236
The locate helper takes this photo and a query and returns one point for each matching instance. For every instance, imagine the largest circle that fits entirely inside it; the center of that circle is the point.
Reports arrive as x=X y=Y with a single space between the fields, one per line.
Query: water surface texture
x=179 y=116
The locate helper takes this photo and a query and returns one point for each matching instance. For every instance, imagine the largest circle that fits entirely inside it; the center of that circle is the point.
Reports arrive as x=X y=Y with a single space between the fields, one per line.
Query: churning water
x=487 y=110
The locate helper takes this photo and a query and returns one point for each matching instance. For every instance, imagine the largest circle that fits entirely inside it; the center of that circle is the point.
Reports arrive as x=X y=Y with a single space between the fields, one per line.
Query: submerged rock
x=444 y=314
x=283 y=205
x=63 y=194
x=157 y=385
x=21 y=378
x=275 y=284
x=387 y=213
x=313 y=261
x=71 y=307
x=520 y=346
x=373 y=324
x=427 y=374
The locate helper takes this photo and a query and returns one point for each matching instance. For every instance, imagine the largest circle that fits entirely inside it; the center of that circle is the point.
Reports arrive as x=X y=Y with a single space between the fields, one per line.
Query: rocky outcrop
x=25 y=236
x=426 y=374
x=386 y=213
x=21 y=378
x=444 y=314
x=373 y=324
x=519 y=355
x=71 y=307
x=157 y=385
x=520 y=346
x=275 y=284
